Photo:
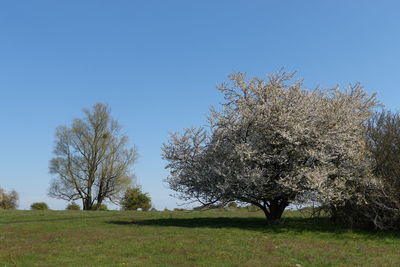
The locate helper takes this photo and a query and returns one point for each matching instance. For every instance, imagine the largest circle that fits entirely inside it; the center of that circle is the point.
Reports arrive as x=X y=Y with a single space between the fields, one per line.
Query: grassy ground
x=211 y=238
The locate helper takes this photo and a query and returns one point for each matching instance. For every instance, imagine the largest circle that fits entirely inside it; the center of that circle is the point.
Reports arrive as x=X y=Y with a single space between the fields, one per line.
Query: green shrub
x=102 y=207
x=135 y=199
x=39 y=206
x=179 y=209
x=232 y=205
x=73 y=206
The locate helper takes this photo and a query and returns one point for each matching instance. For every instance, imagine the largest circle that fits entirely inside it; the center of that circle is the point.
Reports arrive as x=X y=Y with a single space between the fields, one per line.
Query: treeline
x=132 y=199
x=271 y=143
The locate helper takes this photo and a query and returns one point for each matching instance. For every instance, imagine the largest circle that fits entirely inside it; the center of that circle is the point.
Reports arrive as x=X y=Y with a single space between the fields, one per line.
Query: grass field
x=195 y=238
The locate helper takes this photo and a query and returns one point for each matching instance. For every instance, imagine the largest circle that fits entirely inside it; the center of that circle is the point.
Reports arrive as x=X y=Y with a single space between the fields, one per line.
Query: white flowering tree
x=272 y=143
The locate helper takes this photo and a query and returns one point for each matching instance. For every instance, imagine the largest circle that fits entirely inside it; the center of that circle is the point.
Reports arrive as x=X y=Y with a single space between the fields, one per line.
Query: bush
x=73 y=206
x=208 y=207
x=134 y=199
x=378 y=202
x=39 y=206
x=232 y=205
x=379 y=210
x=179 y=209
x=102 y=207
x=8 y=201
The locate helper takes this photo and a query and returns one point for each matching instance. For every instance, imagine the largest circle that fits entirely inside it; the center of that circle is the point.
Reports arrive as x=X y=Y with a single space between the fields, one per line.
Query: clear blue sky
x=156 y=64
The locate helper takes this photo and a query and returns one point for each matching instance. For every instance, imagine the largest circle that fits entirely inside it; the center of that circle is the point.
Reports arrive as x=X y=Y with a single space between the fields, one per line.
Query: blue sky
x=156 y=64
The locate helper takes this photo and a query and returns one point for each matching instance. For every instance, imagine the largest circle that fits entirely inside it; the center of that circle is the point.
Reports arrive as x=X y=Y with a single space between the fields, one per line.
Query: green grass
x=198 y=238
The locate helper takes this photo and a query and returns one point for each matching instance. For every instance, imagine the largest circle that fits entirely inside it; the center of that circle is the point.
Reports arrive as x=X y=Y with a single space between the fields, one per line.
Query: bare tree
x=92 y=160
x=272 y=143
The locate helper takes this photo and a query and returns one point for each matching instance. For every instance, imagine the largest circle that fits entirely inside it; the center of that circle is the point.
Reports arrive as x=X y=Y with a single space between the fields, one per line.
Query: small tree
x=272 y=143
x=8 y=201
x=134 y=199
x=39 y=206
x=92 y=160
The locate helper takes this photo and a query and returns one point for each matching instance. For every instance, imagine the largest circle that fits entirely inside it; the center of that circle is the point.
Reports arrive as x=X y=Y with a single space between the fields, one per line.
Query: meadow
x=186 y=238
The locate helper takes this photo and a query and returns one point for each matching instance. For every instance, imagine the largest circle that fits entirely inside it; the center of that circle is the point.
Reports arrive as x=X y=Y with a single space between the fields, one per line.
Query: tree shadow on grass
x=288 y=225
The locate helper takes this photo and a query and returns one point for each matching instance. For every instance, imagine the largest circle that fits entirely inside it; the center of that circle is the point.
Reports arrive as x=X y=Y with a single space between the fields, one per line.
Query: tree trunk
x=87 y=204
x=274 y=209
x=98 y=204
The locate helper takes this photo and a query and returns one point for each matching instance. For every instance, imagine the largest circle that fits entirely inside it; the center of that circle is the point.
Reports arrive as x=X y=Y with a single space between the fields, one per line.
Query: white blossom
x=273 y=142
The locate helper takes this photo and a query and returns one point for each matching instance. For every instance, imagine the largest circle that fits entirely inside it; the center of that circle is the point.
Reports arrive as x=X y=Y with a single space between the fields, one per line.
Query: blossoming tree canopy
x=272 y=143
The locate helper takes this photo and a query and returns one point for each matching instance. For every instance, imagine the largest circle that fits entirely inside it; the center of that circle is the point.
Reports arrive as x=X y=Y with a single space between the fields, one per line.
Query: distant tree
x=8 y=201
x=73 y=206
x=92 y=160
x=39 y=206
x=134 y=199
x=272 y=143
